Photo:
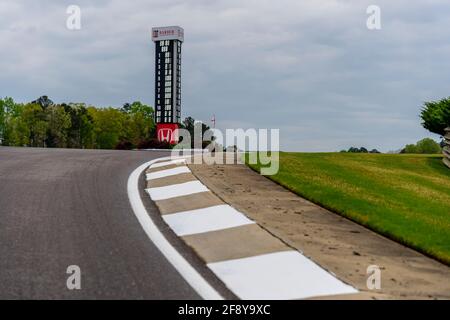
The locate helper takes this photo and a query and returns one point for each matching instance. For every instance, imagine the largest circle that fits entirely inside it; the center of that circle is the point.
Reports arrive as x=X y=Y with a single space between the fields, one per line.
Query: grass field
x=404 y=197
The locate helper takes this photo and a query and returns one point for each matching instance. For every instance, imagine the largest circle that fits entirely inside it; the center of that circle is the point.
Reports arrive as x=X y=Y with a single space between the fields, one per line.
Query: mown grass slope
x=404 y=197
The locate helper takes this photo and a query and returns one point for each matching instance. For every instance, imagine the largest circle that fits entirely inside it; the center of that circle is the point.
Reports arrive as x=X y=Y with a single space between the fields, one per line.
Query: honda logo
x=165 y=134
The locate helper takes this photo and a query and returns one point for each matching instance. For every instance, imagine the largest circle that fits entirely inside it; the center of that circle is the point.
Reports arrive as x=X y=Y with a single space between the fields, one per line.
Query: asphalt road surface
x=70 y=207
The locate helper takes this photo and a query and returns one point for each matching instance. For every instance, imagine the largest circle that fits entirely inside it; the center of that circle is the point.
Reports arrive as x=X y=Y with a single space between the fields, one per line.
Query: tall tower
x=168 y=42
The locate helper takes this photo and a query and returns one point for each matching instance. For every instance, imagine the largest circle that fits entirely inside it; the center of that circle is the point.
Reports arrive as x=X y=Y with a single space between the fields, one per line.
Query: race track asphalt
x=62 y=207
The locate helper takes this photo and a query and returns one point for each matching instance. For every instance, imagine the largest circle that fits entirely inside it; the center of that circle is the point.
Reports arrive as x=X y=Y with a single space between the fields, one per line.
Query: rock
x=446 y=148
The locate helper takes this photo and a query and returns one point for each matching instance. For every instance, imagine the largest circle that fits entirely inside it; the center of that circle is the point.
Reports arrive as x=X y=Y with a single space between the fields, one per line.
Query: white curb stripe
x=176 y=190
x=167 y=163
x=167 y=173
x=280 y=275
x=205 y=219
x=195 y=280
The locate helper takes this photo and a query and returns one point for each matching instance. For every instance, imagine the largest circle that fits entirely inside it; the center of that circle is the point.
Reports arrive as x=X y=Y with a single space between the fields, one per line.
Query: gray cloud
x=310 y=68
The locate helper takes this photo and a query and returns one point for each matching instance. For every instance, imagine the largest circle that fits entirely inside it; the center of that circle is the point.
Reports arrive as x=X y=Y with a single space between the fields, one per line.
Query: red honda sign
x=167 y=132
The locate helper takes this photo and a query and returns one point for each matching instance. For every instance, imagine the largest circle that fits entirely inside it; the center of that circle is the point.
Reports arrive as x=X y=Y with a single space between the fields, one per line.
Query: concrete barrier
x=446 y=149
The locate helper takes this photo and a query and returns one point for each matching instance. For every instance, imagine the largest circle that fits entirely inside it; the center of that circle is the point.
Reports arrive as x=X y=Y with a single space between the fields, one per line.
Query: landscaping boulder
x=446 y=148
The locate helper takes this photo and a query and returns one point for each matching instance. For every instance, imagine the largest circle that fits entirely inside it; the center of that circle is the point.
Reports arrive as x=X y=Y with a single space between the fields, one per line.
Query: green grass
x=404 y=197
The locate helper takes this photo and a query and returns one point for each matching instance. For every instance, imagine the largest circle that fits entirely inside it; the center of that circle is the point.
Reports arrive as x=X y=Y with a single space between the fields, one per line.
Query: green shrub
x=424 y=146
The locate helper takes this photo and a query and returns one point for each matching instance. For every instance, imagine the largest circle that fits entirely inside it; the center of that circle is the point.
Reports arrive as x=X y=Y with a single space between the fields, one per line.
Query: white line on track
x=167 y=173
x=195 y=280
x=279 y=275
x=168 y=163
x=176 y=190
x=205 y=220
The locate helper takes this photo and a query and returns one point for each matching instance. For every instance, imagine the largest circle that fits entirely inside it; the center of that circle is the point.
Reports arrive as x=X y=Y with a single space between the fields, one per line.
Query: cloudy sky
x=308 y=67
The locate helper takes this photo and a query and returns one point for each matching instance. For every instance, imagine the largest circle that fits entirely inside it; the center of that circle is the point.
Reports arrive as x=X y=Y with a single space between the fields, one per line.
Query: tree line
x=435 y=117
x=42 y=123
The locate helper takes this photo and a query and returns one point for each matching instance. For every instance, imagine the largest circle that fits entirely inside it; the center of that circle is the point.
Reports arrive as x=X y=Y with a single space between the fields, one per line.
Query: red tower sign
x=167 y=132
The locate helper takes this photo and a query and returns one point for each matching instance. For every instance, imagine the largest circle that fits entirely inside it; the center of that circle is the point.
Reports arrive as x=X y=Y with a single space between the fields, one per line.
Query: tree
x=436 y=116
x=139 y=124
x=428 y=146
x=138 y=107
x=190 y=124
x=80 y=133
x=18 y=133
x=34 y=117
x=410 y=148
x=59 y=122
x=108 y=124
x=42 y=123
x=363 y=150
x=126 y=107
x=424 y=146
x=7 y=110
x=2 y=120
x=357 y=150
x=43 y=101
